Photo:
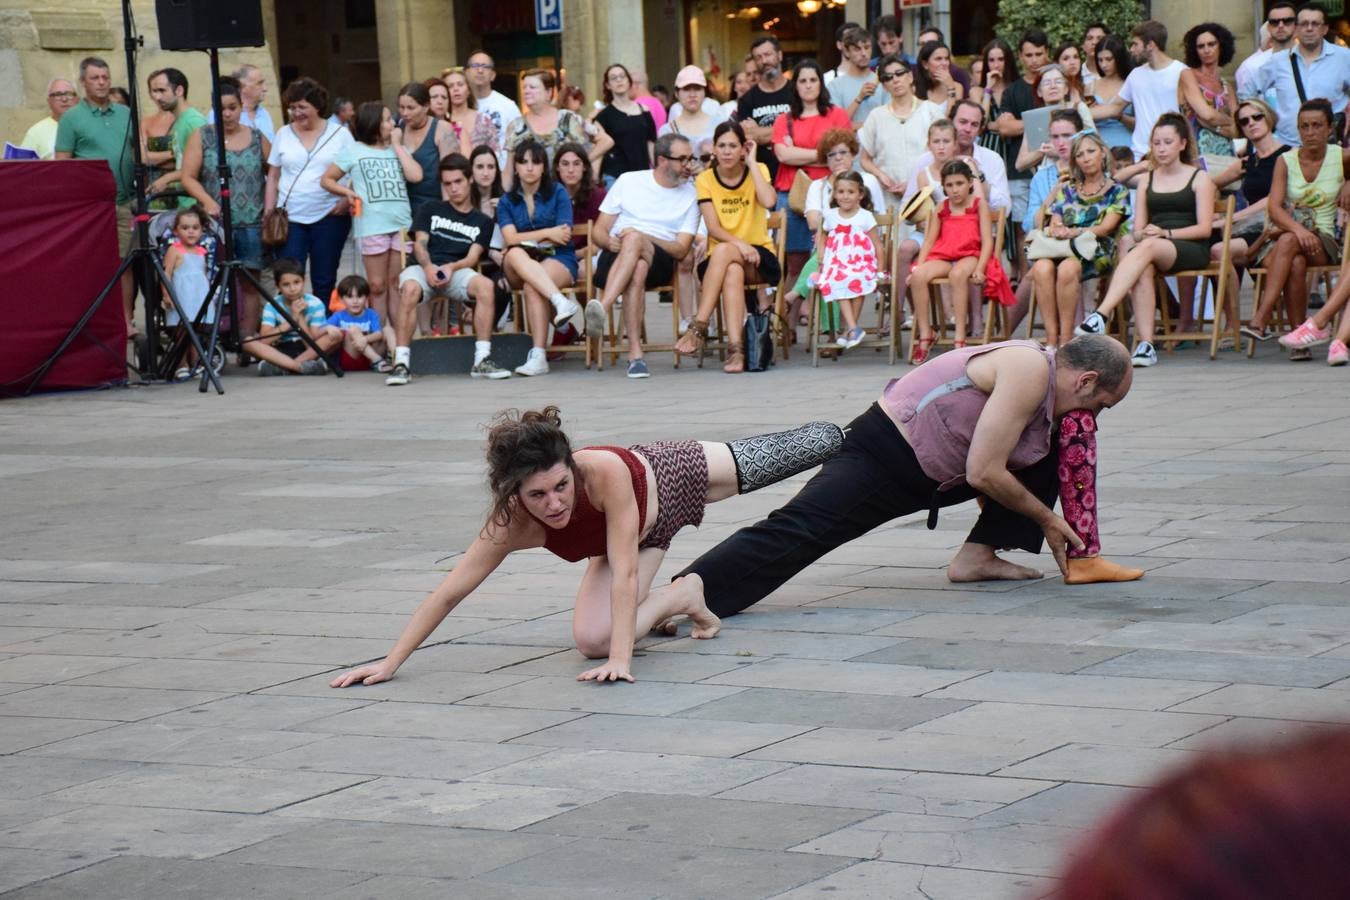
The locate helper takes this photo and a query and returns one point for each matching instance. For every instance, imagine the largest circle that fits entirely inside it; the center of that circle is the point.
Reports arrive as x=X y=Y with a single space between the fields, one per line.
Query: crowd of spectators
x=1105 y=145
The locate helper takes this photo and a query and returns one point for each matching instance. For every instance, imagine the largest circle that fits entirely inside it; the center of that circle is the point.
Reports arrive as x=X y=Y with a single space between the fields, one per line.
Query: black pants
x=874 y=479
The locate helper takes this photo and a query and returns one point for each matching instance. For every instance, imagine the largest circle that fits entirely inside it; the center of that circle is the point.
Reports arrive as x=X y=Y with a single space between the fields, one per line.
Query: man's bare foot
x=977 y=562
x=689 y=596
x=1094 y=570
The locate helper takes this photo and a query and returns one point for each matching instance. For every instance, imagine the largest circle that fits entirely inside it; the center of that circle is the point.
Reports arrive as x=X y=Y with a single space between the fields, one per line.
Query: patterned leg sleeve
x=1078 y=479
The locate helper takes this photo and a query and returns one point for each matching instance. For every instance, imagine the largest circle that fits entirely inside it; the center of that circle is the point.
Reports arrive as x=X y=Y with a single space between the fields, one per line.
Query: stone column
x=416 y=39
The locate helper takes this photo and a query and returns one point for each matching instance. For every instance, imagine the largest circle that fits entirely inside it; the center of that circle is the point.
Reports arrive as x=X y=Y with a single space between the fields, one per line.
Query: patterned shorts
x=681 y=471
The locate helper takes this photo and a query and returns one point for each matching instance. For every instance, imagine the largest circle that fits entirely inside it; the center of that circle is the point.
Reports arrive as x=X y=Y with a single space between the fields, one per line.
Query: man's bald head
x=1097 y=353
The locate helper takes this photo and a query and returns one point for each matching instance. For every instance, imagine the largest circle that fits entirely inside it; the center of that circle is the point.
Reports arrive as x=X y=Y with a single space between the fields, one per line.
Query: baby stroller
x=162 y=324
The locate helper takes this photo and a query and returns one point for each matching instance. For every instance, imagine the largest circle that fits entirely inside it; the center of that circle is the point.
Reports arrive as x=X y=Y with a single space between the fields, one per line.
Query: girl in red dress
x=959 y=246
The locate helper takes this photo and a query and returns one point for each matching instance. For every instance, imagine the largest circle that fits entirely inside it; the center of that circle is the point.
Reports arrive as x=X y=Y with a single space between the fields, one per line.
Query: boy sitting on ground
x=358 y=327
x=279 y=347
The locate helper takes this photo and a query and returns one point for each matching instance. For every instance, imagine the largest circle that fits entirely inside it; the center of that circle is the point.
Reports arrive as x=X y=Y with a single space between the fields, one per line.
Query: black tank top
x=428 y=156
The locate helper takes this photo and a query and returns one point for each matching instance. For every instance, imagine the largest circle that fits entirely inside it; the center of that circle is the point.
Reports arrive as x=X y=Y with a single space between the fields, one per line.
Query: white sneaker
x=1144 y=355
x=563 y=311
x=1095 y=324
x=535 y=364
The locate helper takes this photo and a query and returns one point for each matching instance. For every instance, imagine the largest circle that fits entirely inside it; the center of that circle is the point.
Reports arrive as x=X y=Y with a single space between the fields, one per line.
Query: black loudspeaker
x=203 y=24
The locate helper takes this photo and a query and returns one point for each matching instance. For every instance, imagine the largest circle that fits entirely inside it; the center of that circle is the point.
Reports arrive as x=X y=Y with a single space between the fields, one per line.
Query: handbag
x=1041 y=246
x=758 y=342
x=801 y=183
x=276 y=222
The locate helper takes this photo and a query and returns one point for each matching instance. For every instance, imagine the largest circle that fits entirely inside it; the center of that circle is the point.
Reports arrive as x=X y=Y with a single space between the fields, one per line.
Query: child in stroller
x=189 y=240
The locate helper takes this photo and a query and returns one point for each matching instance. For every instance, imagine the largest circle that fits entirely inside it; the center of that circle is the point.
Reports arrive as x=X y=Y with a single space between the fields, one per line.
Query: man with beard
x=766 y=101
x=1151 y=85
x=169 y=88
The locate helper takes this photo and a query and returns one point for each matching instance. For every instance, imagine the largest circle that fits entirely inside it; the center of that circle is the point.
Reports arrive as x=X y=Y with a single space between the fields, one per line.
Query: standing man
x=41 y=138
x=97 y=128
x=766 y=100
x=1033 y=52
x=1093 y=36
x=854 y=86
x=450 y=238
x=480 y=70
x=252 y=92
x=973 y=423
x=1323 y=71
x=1151 y=85
x=646 y=224
x=888 y=40
x=169 y=90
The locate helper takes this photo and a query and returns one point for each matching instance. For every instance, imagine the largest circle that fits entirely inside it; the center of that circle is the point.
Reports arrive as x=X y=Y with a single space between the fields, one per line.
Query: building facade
x=363 y=49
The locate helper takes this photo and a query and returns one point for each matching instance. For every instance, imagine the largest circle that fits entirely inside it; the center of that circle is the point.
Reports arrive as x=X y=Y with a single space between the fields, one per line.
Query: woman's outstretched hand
x=371 y=673
x=610 y=671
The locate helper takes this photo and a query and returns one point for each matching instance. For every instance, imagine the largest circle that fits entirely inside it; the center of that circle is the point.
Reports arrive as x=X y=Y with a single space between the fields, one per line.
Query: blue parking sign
x=548 y=16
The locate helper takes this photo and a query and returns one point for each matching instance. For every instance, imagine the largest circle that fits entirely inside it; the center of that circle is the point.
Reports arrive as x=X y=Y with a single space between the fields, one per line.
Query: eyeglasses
x=62 y=95
x=479 y=65
x=1280 y=20
x=681 y=160
x=1311 y=23
x=706 y=158
x=893 y=74
x=1244 y=121
x=842 y=153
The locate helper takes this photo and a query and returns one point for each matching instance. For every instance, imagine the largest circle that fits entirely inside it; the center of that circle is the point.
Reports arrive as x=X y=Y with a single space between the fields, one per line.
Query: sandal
x=735 y=359
x=918 y=351
x=697 y=334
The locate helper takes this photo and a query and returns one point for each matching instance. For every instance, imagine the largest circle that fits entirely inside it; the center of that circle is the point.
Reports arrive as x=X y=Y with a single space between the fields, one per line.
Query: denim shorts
x=248 y=248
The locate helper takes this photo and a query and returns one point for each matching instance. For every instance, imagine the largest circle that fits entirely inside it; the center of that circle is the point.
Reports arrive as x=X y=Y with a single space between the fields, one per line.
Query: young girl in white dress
x=848 y=259
x=185 y=265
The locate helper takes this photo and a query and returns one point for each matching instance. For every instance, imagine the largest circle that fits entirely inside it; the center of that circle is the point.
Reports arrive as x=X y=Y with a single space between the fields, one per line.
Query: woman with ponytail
x=616 y=507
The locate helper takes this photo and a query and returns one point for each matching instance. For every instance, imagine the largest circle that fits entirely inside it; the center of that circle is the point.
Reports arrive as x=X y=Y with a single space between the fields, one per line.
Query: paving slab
x=213 y=789
x=928 y=751
x=1198 y=665
x=1006 y=656
x=924 y=793
x=138 y=877
x=809 y=707
x=1127 y=727
x=685 y=872
x=843 y=677
x=651 y=734
x=1076 y=690
x=1098 y=764
x=100 y=831
x=614 y=770
x=705 y=821
x=878 y=880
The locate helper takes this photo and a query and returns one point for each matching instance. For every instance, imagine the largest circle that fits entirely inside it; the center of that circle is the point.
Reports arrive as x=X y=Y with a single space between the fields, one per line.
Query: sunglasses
x=1280 y=20
x=1244 y=121
x=893 y=74
x=706 y=158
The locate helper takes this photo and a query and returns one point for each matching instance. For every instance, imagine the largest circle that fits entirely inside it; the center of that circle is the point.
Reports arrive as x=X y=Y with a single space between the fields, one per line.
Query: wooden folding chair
x=1314 y=272
x=1216 y=274
x=716 y=327
x=1119 y=327
x=938 y=315
x=615 y=333
x=885 y=290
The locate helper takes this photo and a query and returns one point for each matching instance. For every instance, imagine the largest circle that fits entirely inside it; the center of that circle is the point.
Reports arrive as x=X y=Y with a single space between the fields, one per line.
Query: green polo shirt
x=87 y=132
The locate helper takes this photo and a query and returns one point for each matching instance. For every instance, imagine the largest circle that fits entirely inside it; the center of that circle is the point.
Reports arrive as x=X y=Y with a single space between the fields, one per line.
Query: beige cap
x=690 y=75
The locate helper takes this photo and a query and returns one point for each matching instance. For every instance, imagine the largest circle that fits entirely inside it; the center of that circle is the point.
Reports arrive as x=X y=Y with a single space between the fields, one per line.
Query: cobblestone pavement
x=181 y=574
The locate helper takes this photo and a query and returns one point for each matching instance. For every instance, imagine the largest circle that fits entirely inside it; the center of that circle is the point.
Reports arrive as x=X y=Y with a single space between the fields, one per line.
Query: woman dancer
x=619 y=508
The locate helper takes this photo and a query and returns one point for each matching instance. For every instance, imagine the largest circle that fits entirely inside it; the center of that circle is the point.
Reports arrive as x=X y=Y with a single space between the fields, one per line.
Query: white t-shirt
x=861 y=220
x=1153 y=92
x=821 y=190
x=307 y=202
x=643 y=204
x=502 y=112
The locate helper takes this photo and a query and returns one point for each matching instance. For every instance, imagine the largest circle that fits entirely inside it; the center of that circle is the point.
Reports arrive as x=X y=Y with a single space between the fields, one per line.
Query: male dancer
x=1005 y=422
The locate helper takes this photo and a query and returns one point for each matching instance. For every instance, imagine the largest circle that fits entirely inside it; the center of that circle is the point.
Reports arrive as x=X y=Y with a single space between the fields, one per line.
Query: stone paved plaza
x=181 y=574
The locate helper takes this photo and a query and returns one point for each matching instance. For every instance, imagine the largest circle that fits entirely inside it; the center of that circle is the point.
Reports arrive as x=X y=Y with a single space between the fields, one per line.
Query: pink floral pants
x=1078 y=479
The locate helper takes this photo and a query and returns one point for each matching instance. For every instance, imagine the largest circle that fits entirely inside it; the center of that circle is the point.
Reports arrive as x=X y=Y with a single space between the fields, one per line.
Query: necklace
x=913 y=104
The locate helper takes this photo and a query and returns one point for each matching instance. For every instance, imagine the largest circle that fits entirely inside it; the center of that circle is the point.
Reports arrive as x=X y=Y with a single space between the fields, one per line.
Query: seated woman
x=1053 y=89
x=837 y=150
x=1088 y=202
x=536 y=221
x=1256 y=170
x=1172 y=224
x=735 y=197
x=1302 y=210
x=616 y=508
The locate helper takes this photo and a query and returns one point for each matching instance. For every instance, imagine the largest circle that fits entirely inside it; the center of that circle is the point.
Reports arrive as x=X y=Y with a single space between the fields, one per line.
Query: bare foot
x=1094 y=570
x=689 y=593
x=977 y=562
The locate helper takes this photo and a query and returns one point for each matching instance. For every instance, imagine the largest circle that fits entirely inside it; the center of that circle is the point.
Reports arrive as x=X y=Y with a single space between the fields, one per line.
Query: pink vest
x=938 y=406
